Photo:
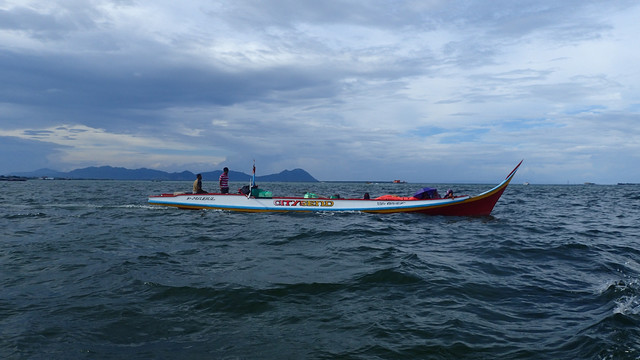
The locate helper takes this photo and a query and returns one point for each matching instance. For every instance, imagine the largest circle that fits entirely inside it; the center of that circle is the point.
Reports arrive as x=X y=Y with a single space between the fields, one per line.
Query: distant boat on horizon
x=12 y=178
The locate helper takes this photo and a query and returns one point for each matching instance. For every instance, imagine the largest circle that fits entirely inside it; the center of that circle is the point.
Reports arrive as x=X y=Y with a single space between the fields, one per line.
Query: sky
x=417 y=90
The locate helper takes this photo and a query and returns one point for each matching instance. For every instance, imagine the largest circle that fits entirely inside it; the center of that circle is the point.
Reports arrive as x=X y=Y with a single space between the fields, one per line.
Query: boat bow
x=478 y=205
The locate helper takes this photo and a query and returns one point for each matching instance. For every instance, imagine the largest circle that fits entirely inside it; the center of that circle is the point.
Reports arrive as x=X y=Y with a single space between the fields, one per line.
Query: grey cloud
x=89 y=83
x=307 y=86
x=33 y=155
x=53 y=23
x=289 y=13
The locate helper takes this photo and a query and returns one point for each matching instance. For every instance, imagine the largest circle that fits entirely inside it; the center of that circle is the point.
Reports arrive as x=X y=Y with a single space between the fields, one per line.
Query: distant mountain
x=41 y=173
x=295 y=175
x=120 y=173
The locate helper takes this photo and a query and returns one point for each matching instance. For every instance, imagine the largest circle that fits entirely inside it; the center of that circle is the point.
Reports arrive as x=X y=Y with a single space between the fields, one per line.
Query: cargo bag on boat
x=259 y=193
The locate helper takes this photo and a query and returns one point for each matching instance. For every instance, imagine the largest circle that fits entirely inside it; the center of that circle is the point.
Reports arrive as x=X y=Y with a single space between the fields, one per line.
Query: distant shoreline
x=119 y=173
x=384 y=182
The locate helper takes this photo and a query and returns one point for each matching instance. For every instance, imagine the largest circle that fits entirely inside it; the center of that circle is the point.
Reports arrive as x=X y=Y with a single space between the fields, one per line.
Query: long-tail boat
x=260 y=201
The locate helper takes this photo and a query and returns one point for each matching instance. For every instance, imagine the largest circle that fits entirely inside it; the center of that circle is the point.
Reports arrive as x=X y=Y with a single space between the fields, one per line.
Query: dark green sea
x=89 y=271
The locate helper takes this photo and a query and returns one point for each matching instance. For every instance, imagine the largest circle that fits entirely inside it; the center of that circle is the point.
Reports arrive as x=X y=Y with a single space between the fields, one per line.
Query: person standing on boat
x=197 y=185
x=224 y=181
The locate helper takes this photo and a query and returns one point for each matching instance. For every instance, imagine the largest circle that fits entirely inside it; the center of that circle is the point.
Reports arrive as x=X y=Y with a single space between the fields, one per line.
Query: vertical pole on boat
x=253 y=181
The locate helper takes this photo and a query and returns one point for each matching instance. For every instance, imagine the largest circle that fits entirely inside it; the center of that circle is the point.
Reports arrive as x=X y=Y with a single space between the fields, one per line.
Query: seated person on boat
x=197 y=185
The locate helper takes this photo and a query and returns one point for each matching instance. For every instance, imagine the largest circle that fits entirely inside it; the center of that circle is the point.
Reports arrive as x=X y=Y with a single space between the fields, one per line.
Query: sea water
x=88 y=270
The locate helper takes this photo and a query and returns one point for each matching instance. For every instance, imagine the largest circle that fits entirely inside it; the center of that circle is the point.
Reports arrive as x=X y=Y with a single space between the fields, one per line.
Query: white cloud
x=86 y=146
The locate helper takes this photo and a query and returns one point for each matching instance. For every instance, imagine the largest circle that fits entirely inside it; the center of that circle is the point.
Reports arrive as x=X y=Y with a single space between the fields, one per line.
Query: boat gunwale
x=423 y=204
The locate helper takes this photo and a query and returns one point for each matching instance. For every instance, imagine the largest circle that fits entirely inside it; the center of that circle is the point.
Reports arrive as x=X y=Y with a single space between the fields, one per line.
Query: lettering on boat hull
x=205 y=198
x=309 y=203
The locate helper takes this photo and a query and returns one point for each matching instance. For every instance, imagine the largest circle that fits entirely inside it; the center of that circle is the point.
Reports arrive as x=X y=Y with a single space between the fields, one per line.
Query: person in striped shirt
x=224 y=181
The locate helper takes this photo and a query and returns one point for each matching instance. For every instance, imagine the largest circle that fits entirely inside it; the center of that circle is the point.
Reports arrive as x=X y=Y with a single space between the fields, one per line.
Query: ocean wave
x=24 y=215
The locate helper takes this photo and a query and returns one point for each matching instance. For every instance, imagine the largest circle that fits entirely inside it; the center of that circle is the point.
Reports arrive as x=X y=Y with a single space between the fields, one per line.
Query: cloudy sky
x=419 y=90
